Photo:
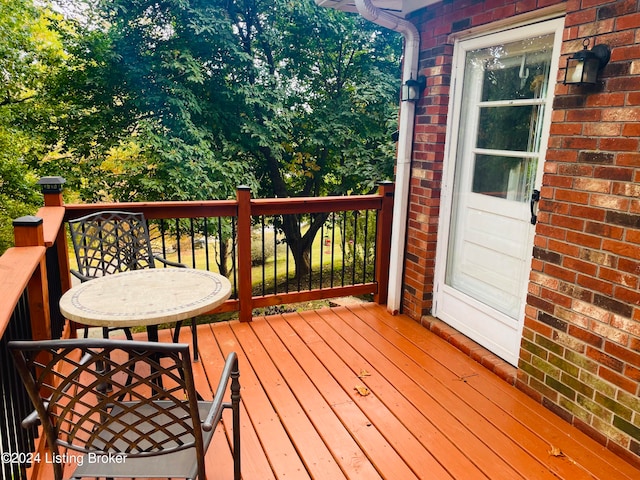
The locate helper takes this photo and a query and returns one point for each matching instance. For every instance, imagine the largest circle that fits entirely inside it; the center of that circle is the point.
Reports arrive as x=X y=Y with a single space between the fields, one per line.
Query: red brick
x=619 y=144
x=551 y=231
x=622 y=53
x=621 y=248
x=630 y=266
x=610 y=202
x=562 y=155
x=559 y=272
x=629 y=159
x=626 y=295
x=606 y=99
x=618 y=379
x=615 y=276
x=633 y=98
x=632 y=373
x=563 y=248
x=580 y=143
x=627 y=189
x=584 y=115
x=602 y=129
x=614 y=173
x=556 y=298
x=594 y=284
x=580 y=17
x=605 y=359
x=566 y=129
x=585 y=336
x=568 y=222
x=592 y=185
x=538 y=327
x=623 y=114
x=571 y=196
x=584 y=240
x=622 y=353
x=631 y=130
x=633 y=236
x=559 y=181
x=604 y=230
x=580 y=266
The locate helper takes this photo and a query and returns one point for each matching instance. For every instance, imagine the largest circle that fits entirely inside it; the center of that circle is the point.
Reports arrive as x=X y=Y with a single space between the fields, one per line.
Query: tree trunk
x=300 y=245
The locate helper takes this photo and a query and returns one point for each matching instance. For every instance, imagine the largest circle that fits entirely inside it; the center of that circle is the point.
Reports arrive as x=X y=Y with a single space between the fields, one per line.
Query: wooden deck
x=428 y=412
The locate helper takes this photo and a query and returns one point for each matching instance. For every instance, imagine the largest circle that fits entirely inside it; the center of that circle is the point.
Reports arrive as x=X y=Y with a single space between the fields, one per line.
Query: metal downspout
x=405 y=145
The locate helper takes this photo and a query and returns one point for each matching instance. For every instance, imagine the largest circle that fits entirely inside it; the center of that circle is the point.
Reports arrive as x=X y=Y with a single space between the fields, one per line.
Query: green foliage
x=185 y=100
x=29 y=51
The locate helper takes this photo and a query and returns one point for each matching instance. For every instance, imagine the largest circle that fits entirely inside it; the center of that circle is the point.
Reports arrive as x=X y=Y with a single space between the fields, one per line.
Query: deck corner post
x=383 y=241
x=28 y=232
x=245 y=293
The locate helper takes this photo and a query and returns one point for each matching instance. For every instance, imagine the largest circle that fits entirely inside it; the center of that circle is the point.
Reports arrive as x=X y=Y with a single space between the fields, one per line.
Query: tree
x=322 y=103
x=187 y=99
x=29 y=51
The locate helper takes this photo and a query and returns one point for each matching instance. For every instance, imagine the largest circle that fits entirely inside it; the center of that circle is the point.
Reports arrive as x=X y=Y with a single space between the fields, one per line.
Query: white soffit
x=400 y=8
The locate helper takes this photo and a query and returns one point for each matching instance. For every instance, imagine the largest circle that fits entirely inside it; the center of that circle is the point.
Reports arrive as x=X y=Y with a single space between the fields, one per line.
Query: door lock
x=535 y=198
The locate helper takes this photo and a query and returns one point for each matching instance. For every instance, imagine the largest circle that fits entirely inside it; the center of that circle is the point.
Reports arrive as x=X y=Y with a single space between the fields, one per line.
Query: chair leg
x=235 y=407
x=176 y=331
x=194 y=334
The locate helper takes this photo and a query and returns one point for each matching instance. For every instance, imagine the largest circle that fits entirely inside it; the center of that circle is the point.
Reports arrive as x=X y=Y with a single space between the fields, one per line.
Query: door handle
x=535 y=197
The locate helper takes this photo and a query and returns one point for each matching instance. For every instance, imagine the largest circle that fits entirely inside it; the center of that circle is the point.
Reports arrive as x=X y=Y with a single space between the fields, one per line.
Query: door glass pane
x=514 y=71
x=503 y=177
x=508 y=128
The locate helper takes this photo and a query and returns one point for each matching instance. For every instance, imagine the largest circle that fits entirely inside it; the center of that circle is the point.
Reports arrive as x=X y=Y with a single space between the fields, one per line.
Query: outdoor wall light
x=412 y=88
x=584 y=65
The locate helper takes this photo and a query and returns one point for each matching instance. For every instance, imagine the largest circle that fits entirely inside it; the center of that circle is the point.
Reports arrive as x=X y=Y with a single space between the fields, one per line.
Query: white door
x=501 y=106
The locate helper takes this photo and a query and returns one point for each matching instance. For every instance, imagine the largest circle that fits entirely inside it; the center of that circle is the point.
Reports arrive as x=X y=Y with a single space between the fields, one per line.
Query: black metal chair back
x=124 y=408
x=110 y=242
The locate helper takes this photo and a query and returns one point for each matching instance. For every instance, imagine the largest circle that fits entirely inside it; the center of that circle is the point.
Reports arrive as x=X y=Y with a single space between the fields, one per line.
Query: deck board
x=432 y=412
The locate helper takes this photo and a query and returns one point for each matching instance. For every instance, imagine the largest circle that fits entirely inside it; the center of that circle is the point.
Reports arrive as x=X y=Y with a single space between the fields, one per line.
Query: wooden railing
x=35 y=273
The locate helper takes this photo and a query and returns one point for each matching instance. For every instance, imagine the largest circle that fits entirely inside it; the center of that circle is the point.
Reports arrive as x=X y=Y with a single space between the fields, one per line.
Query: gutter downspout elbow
x=405 y=145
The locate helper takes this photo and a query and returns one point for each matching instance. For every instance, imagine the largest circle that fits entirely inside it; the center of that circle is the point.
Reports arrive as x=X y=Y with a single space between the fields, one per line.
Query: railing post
x=28 y=232
x=52 y=191
x=383 y=241
x=59 y=268
x=245 y=283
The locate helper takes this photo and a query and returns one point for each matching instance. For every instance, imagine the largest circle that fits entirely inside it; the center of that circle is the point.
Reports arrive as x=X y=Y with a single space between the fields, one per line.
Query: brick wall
x=580 y=354
x=581 y=349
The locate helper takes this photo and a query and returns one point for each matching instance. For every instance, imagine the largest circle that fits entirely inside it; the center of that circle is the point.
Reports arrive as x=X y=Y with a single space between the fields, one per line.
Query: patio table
x=145 y=298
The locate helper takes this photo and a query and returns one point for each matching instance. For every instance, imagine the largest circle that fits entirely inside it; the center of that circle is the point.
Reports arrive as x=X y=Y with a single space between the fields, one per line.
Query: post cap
x=51 y=184
x=27 y=221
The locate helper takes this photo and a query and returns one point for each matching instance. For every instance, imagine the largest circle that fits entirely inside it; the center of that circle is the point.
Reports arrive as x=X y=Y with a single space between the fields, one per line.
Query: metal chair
x=153 y=426
x=109 y=242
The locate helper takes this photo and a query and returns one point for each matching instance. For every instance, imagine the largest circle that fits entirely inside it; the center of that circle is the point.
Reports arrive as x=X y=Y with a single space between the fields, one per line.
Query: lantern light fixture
x=583 y=66
x=412 y=89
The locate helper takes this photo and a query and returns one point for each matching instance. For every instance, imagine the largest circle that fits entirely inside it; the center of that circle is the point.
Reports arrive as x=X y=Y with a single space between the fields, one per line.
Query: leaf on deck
x=362 y=390
x=556 y=452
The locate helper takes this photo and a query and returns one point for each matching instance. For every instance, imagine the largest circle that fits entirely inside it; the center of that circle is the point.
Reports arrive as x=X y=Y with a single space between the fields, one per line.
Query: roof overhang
x=399 y=8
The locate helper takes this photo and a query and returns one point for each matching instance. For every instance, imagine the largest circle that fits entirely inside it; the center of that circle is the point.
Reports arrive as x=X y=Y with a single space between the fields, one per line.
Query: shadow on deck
x=353 y=392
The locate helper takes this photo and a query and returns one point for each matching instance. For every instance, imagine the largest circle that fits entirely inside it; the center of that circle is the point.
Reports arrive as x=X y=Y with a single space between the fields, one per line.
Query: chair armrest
x=169 y=262
x=217 y=406
x=82 y=277
x=31 y=420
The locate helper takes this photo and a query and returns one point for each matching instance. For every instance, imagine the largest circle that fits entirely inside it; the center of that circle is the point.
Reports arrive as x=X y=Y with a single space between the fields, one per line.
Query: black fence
x=16 y=443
